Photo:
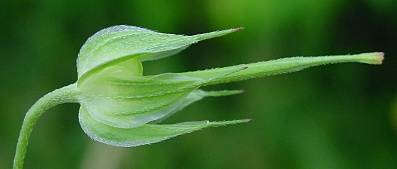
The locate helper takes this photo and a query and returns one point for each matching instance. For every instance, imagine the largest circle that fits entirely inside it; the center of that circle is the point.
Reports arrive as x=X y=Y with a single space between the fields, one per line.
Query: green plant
x=121 y=107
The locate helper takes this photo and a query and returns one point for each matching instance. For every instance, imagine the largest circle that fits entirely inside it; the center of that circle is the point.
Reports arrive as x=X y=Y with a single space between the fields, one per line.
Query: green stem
x=280 y=66
x=66 y=94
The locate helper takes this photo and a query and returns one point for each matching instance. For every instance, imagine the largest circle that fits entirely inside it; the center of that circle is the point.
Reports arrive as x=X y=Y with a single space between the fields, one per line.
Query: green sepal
x=281 y=66
x=142 y=135
x=122 y=42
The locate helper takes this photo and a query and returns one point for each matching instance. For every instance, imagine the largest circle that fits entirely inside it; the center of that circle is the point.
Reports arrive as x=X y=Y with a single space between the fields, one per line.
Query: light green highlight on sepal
x=131 y=102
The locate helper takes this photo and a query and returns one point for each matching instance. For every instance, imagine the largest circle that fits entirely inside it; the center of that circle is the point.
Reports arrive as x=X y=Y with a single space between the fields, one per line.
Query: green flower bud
x=118 y=102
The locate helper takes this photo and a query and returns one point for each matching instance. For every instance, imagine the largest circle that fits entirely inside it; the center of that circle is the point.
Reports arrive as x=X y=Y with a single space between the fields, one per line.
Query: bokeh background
x=337 y=116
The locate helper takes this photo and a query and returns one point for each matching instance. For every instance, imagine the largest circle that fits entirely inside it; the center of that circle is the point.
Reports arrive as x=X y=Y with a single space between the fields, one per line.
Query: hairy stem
x=280 y=66
x=66 y=94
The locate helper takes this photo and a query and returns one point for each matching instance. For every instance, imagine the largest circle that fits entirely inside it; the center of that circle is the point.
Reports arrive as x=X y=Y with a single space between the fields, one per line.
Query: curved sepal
x=142 y=135
x=123 y=42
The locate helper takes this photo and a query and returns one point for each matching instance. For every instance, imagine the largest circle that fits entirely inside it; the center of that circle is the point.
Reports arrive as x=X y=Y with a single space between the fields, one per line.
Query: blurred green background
x=332 y=117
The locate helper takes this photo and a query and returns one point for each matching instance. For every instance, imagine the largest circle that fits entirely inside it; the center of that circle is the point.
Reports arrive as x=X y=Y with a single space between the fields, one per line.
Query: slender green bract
x=120 y=106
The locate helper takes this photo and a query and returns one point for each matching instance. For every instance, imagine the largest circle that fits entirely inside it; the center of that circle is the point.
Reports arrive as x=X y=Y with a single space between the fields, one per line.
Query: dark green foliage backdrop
x=338 y=116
